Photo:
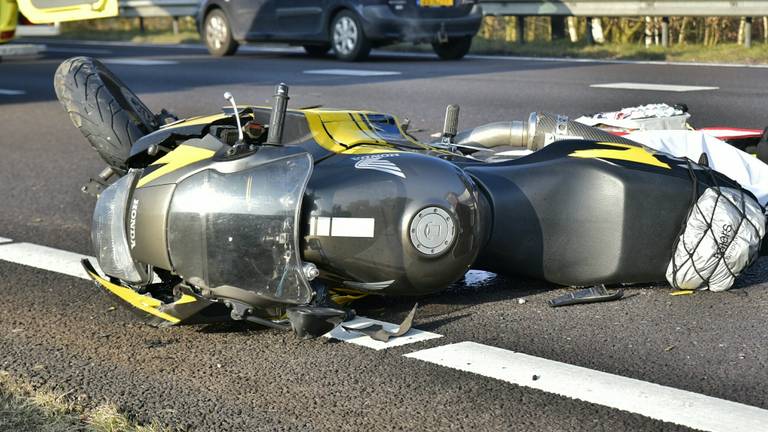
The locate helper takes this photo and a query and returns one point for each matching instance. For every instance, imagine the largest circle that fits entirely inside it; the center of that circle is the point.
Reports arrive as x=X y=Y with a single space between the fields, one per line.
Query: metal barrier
x=158 y=8
x=618 y=8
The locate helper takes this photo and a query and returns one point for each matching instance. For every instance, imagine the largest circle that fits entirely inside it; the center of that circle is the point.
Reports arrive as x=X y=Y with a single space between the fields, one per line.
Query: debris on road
x=597 y=293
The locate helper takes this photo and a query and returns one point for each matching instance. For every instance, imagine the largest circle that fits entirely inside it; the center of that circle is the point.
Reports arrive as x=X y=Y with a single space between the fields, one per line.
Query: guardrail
x=619 y=8
x=158 y=8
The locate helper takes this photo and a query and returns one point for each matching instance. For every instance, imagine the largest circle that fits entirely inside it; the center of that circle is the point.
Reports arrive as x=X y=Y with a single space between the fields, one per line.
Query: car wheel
x=317 y=50
x=347 y=38
x=217 y=33
x=453 y=49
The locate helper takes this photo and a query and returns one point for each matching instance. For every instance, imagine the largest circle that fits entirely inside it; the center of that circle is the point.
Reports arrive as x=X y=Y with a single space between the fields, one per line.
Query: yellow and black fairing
x=583 y=212
x=190 y=308
x=347 y=147
x=320 y=132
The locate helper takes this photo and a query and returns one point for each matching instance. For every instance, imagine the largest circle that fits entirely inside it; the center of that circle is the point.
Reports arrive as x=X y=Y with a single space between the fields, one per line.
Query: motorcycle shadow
x=456 y=301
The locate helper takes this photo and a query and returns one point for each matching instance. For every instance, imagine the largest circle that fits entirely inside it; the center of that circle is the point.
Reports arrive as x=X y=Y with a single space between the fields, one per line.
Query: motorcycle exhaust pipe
x=540 y=130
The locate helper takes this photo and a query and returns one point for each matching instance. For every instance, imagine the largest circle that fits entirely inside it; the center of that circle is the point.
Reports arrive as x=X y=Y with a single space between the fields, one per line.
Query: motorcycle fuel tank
x=394 y=223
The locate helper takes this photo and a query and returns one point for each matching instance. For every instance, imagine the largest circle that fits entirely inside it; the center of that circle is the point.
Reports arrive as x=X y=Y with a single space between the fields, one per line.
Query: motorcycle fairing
x=186 y=310
x=321 y=132
x=235 y=230
x=575 y=207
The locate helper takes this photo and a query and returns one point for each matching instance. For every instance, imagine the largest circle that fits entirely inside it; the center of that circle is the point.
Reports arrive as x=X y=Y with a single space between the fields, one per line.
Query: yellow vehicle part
x=8 y=17
x=338 y=130
x=184 y=155
x=145 y=303
x=623 y=152
x=51 y=11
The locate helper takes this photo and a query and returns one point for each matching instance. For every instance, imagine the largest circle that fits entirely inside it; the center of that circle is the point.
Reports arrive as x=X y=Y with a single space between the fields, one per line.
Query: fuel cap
x=432 y=231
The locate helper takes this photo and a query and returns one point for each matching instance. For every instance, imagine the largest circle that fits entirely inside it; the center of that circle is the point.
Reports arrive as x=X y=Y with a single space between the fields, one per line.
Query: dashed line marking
x=648 y=399
x=68 y=263
x=653 y=87
x=351 y=72
x=138 y=62
x=10 y=92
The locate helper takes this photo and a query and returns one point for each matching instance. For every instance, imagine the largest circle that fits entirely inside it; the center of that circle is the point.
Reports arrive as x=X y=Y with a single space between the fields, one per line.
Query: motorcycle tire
x=107 y=112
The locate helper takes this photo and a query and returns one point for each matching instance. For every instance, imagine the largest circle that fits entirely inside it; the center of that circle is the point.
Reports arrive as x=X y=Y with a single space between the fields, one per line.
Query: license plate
x=435 y=3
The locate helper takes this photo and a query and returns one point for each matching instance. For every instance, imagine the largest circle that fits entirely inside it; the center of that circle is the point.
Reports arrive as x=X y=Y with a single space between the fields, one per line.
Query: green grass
x=23 y=408
x=158 y=31
x=723 y=53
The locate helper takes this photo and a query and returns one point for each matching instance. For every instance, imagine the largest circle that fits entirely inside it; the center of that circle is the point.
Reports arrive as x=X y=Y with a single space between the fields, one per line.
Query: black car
x=349 y=27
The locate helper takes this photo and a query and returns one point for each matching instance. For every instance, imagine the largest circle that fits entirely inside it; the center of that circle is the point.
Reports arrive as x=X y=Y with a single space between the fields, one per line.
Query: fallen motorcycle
x=277 y=216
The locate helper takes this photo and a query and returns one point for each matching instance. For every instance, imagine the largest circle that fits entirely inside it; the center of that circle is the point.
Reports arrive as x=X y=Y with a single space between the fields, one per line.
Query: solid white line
x=9 y=92
x=5 y=240
x=138 y=62
x=651 y=400
x=292 y=50
x=350 y=72
x=68 y=263
x=653 y=87
x=45 y=258
x=413 y=335
x=77 y=50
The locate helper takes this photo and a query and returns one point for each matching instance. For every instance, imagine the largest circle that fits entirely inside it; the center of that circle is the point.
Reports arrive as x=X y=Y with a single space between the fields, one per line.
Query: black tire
x=317 y=50
x=108 y=114
x=356 y=50
x=453 y=49
x=217 y=34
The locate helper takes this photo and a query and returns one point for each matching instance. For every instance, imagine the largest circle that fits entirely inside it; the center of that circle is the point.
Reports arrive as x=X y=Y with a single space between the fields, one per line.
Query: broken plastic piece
x=682 y=292
x=597 y=293
x=377 y=332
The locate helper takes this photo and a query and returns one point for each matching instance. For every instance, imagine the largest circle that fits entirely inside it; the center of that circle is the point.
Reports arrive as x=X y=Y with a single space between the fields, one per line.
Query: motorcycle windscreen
x=241 y=229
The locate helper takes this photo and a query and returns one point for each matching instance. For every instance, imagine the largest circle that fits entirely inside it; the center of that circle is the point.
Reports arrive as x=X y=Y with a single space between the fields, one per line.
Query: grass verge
x=158 y=31
x=722 y=53
x=24 y=409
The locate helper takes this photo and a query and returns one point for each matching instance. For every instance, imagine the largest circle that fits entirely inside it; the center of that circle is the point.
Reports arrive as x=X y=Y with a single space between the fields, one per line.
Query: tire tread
x=111 y=123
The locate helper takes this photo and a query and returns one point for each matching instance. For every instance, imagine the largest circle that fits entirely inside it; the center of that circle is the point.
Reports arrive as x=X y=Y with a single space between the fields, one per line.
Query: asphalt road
x=61 y=332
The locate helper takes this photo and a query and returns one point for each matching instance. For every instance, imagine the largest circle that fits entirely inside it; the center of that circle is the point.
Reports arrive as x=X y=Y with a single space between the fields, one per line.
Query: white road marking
x=9 y=92
x=653 y=87
x=46 y=258
x=77 y=50
x=658 y=402
x=350 y=72
x=651 y=400
x=138 y=62
x=68 y=263
x=413 y=335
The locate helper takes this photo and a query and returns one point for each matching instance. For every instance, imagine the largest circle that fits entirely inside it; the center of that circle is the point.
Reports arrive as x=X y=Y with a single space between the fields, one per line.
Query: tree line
x=707 y=31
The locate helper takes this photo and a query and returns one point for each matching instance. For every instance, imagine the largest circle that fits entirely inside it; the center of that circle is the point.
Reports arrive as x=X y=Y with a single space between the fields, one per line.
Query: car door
x=299 y=18
x=255 y=18
x=50 y=11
